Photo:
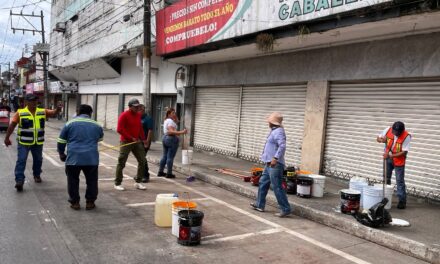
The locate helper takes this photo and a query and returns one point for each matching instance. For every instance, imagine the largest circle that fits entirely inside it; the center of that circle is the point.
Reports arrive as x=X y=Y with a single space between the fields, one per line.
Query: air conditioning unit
x=60 y=27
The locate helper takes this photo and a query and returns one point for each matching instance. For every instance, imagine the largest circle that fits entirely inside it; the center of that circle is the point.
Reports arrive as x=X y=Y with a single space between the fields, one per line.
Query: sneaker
x=75 y=206
x=401 y=205
x=139 y=186
x=19 y=186
x=256 y=208
x=146 y=179
x=37 y=179
x=282 y=214
x=90 y=205
x=170 y=176
x=119 y=187
x=161 y=174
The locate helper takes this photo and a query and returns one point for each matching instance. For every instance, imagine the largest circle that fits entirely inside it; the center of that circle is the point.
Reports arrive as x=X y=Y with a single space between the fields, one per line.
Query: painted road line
x=110 y=156
x=243 y=236
x=51 y=160
x=274 y=225
x=153 y=203
x=105 y=166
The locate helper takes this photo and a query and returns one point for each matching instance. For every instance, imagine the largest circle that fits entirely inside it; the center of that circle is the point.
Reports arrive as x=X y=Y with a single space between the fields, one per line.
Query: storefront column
x=314 y=125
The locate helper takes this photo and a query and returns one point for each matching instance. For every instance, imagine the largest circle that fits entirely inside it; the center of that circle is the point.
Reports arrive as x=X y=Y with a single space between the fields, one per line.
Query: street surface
x=38 y=226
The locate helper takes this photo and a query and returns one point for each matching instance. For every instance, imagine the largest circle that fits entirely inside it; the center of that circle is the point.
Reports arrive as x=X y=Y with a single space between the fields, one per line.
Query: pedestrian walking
x=81 y=135
x=273 y=158
x=30 y=137
x=147 y=125
x=397 y=143
x=132 y=140
x=170 y=143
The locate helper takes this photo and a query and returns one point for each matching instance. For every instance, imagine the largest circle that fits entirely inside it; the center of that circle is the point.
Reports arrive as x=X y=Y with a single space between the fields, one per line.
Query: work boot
x=161 y=174
x=37 y=179
x=401 y=205
x=75 y=206
x=170 y=176
x=90 y=205
x=389 y=182
x=19 y=186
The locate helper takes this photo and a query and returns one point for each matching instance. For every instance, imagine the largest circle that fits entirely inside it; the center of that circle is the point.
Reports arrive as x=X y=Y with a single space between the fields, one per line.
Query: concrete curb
x=406 y=246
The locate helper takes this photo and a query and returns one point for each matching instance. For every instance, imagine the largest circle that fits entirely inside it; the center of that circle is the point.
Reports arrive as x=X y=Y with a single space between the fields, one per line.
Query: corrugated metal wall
x=359 y=112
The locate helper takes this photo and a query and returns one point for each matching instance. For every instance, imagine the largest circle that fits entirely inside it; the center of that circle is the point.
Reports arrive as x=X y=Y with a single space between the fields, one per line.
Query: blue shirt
x=147 y=124
x=275 y=146
x=81 y=135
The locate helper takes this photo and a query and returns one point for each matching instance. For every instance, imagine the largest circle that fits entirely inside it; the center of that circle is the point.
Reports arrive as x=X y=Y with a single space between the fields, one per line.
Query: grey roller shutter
x=100 y=113
x=359 y=112
x=127 y=98
x=87 y=99
x=71 y=108
x=112 y=113
x=216 y=127
x=257 y=104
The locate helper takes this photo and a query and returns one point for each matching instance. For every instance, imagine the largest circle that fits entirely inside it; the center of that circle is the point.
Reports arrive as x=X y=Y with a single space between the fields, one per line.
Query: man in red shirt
x=132 y=140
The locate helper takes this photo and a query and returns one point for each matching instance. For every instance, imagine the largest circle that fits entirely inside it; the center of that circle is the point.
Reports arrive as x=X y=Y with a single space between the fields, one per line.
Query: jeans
x=400 y=179
x=273 y=175
x=170 y=145
x=22 y=155
x=139 y=152
x=91 y=175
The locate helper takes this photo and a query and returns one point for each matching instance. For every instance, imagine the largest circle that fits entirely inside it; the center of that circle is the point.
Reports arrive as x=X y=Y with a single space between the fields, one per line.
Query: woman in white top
x=170 y=143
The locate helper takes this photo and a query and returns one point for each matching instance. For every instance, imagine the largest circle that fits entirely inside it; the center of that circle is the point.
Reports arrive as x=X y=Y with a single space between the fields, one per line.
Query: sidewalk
x=421 y=239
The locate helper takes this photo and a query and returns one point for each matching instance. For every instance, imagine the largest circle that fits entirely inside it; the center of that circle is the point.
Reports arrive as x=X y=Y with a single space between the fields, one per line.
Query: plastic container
x=162 y=209
x=389 y=190
x=358 y=184
x=187 y=155
x=318 y=185
x=190 y=227
x=178 y=206
x=371 y=196
x=304 y=187
x=350 y=201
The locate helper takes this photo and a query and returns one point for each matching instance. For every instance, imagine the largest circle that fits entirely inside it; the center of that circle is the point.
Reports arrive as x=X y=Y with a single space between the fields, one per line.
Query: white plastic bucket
x=371 y=196
x=187 y=155
x=358 y=184
x=318 y=185
x=389 y=190
x=162 y=209
x=176 y=207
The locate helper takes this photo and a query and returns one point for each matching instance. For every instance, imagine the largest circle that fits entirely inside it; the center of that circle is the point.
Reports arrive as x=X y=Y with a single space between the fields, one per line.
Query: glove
x=63 y=157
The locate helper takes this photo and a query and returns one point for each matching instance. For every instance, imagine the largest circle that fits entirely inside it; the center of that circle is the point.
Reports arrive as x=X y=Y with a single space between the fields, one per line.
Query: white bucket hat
x=275 y=118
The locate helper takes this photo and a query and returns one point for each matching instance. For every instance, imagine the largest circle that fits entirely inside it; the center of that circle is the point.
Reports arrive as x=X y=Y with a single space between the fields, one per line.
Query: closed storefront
x=127 y=98
x=107 y=111
x=71 y=108
x=358 y=112
x=87 y=99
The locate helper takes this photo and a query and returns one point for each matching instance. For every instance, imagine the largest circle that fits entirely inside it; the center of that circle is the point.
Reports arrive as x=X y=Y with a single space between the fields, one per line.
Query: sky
x=12 y=45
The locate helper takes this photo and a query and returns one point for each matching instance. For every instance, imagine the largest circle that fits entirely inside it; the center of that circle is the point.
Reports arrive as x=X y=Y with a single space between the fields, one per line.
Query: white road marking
x=243 y=236
x=153 y=203
x=105 y=166
x=55 y=163
x=110 y=156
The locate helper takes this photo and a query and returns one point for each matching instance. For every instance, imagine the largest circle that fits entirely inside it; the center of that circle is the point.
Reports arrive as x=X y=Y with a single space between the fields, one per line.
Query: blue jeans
x=400 y=179
x=22 y=155
x=273 y=175
x=170 y=145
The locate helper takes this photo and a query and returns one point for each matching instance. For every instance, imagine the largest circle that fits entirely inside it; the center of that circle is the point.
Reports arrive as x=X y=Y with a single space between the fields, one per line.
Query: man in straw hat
x=273 y=157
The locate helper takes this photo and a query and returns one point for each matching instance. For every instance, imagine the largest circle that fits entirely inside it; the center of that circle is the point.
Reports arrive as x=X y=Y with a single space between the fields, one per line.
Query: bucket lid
x=350 y=191
x=184 y=204
x=317 y=176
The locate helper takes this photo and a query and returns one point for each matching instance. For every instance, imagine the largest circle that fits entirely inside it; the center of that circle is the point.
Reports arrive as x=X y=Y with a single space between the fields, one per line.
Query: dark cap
x=30 y=97
x=133 y=102
x=398 y=127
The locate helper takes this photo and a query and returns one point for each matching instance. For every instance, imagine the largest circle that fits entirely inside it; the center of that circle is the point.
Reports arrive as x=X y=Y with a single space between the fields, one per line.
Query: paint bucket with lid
x=389 y=190
x=190 y=227
x=318 y=185
x=175 y=209
x=350 y=201
x=371 y=196
x=291 y=185
x=187 y=155
x=304 y=187
x=358 y=184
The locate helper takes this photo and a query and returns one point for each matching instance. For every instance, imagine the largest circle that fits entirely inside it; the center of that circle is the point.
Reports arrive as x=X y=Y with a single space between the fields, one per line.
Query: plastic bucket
x=371 y=196
x=304 y=187
x=162 y=209
x=318 y=185
x=190 y=227
x=178 y=206
x=291 y=185
x=389 y=190
x=358 y=185
x=350 y=201
x=187 y=156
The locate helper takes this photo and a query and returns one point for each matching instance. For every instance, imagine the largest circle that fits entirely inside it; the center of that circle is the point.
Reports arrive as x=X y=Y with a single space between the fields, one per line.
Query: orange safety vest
x=398 y=161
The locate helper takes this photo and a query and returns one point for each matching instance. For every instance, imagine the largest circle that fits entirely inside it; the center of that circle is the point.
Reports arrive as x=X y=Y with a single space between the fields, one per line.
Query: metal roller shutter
x=100 y=112
x=71 y=108
x=84 y=99
x=216 y=126
x=257 y=104
x=87 y=99
x=127 y=98
x=359 y=112
x=111 y=117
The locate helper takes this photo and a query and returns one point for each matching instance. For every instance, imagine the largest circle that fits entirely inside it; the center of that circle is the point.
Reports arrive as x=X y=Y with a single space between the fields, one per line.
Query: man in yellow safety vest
x=30 y=137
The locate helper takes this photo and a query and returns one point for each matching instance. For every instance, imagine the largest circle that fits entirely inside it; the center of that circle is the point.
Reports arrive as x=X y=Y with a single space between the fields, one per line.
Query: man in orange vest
x=397 y=142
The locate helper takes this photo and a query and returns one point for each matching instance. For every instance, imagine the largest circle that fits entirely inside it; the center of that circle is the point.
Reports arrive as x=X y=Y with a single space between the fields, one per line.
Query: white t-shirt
x=168 y=123
x=405 y=145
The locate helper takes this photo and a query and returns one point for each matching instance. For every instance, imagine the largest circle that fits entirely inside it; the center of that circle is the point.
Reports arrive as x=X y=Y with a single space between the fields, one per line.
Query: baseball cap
x=133 y=102
x=30 y=97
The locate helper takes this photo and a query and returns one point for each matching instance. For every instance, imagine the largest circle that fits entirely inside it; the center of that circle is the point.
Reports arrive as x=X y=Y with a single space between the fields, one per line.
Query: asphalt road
x=38 y=226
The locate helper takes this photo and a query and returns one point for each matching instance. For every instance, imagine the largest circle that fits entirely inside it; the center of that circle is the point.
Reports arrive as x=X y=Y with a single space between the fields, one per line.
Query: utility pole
x=146 y=87
x=10 y=82
x=43 y=53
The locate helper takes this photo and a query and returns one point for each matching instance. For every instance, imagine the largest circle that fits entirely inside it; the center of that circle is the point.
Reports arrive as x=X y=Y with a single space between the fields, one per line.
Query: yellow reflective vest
x=30 y=127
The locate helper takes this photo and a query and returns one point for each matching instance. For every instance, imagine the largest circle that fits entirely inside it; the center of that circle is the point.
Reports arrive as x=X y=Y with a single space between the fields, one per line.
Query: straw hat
x=275 y=118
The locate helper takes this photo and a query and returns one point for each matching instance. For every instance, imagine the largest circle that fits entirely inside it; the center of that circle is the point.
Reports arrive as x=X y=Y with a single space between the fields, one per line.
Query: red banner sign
x=189 y=23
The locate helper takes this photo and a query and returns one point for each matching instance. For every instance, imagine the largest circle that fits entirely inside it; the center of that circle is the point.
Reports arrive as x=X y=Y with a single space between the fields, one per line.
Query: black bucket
x=290 y=172
x=291 y=185
x=190 y=227
x=350 y=201
x=304 y=187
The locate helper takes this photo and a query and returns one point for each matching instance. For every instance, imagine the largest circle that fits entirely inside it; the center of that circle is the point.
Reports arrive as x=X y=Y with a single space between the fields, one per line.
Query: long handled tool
x=118 y=147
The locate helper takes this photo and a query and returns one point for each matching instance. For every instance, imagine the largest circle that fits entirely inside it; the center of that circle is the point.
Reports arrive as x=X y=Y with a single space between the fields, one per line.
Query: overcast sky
x=12 y=45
